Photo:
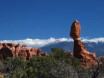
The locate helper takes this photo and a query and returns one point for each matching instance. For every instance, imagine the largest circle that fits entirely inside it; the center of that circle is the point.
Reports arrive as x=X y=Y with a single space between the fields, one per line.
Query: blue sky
x=42 y=19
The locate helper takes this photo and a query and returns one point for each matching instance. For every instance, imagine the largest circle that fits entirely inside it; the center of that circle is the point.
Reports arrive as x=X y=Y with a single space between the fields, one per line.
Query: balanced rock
x=80 y=50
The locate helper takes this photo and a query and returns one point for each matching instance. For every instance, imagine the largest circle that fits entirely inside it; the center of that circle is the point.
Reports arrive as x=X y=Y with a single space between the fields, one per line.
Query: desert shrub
x=13 y=67
x=59 y=64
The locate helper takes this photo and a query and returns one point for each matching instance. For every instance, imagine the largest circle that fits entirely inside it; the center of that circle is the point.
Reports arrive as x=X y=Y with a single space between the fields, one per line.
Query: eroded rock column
x=80 y=50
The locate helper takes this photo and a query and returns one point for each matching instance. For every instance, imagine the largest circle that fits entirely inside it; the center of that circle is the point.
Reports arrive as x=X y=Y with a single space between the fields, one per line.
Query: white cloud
x=42 y=42
x=35 y=42
x=96 y=40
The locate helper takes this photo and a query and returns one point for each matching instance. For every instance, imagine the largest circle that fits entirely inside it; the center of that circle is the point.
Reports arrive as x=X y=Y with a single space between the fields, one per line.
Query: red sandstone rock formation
x=15 y=50
x=75 y=30
x=80 y=50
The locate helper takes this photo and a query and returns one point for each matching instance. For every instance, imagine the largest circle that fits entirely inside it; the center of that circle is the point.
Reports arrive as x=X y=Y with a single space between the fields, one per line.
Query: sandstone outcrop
x=80 y=50
x=15 y=50
x=75 y=30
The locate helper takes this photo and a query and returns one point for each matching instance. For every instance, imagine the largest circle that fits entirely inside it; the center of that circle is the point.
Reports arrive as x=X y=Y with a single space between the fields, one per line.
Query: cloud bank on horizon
x=42 y=42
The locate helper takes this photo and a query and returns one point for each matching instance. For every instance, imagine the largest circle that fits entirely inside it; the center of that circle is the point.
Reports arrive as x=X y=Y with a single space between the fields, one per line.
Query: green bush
x=59 y=64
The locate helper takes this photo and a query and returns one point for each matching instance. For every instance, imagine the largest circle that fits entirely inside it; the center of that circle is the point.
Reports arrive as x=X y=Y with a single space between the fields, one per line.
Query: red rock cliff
x=15 y=50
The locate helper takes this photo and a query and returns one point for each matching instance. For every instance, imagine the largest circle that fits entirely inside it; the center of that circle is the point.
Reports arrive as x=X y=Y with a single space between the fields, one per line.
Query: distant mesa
x=80 y=50
x=15 y=50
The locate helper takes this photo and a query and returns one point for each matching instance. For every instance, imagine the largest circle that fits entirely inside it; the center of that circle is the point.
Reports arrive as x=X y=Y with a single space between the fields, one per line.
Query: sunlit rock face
x=75 y=30
x=80 y=50
x=15 y=50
